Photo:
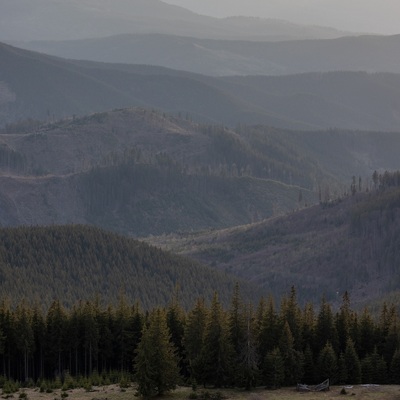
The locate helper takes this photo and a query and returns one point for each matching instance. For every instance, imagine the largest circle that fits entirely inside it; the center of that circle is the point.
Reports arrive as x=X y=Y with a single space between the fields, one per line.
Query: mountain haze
x=64 y=20
x=218 y=58
x=33 y=85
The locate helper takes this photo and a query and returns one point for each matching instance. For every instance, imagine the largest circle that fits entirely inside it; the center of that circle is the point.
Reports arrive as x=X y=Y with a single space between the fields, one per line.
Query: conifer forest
x=243 y=345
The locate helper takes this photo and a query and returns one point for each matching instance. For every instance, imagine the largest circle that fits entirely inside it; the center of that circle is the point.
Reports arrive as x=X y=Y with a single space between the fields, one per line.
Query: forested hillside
x=83 y=263
x=348 y=244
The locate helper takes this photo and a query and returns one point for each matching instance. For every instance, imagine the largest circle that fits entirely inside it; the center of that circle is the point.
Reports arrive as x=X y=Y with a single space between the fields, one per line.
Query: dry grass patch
x=114 y=392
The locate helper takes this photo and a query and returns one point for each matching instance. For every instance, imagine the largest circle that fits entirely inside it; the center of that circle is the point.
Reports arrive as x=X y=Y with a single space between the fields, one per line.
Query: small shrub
x=10 y=386
x=64 y=395
x=124 y=382
x=193 y=396
x=23 y=395
x=343 y=391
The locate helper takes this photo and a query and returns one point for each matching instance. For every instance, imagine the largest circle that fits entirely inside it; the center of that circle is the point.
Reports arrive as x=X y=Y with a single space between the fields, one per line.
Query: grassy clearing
x=113 y=392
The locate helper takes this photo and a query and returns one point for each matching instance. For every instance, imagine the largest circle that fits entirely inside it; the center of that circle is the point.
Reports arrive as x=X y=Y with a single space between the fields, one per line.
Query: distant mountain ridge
x=63 y=20
x=34 y=85
x=229 y=57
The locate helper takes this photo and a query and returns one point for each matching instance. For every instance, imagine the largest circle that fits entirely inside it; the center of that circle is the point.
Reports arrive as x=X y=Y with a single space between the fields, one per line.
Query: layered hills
x=347 y=245
x=44 y=87
x=229 y=57
x=141 y=172
x=60 y=20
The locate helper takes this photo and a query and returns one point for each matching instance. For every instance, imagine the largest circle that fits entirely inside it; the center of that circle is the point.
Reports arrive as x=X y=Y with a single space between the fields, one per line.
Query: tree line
x=240 y=346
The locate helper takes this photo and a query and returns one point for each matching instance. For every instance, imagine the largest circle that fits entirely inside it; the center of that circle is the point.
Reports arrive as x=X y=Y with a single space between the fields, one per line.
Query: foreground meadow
x=114 y=392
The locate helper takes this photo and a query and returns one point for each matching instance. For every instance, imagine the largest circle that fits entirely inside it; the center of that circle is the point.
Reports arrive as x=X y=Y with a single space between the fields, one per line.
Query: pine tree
x=343 y=321
x=395 y=368
x=56 y=322
x=176 y=325
x=325 y=330
x=342 y=370
x=291 y=314
x=274 y=369
x=269 y=329
x=293 y=359
x=309 y=366
x=122 y=333
x=366 y=334
x=194 y=340
x=248 y=360
x=236 y=328
x=90 y=336
x=389 y=334
x=39 y=334
x=217 y=350
x=156 y=362
x=25 y=338
x=327 y=364
x=352 y=363
x=308 y=325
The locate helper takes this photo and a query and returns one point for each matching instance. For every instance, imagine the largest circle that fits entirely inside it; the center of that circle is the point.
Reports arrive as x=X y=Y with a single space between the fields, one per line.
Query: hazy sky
x=380 y=16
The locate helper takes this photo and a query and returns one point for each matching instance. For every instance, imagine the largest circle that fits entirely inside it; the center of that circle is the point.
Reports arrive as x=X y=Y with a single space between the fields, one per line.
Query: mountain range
x=61 y=20
x=33 y=85
x=231 y=57
x=255 y=147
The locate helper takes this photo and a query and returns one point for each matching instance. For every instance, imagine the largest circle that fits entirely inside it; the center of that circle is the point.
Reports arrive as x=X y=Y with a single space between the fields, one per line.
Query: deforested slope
x=349 y=244
x=141 y=172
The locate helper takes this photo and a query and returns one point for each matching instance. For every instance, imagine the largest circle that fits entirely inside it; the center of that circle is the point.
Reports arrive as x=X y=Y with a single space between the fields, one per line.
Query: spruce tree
x=236 y=328
x=342 y=370
x=156 y=361
x=352 y=363
x=269 y=329
x=293 y=359
x=291 y=314
x=325 y=330
x=343 y=321
x=25 y=339
x=274 y=369
x=366 y=334
x=395 y=368
x=194 y=340
x=309 y=366
x=248 y=361
x=176 y=326
x=327 y=364
x=217 y=350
